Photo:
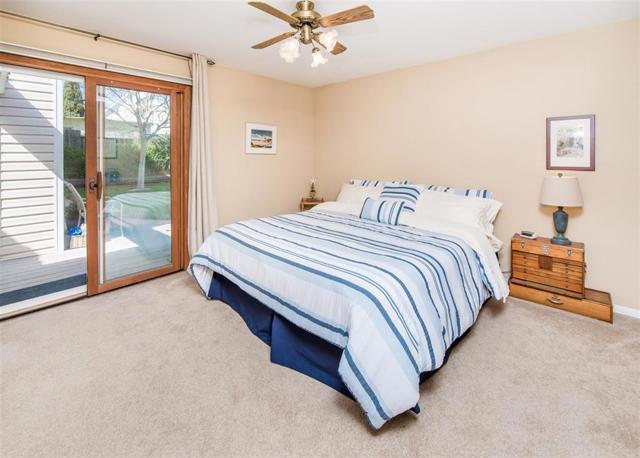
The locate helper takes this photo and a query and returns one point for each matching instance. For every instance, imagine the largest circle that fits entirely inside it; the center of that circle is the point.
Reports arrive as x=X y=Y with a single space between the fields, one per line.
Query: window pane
x=134 y=151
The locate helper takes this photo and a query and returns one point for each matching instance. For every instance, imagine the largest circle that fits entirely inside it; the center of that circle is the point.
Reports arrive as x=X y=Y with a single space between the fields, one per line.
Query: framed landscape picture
x=571 y=143
x=261 y=139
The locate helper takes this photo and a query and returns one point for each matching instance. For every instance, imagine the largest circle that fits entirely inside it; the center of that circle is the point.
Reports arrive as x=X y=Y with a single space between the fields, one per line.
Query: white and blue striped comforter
x=393 y=297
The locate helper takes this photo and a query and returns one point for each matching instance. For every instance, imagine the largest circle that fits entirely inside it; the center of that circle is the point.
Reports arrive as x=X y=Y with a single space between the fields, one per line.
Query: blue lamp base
x=560 y=222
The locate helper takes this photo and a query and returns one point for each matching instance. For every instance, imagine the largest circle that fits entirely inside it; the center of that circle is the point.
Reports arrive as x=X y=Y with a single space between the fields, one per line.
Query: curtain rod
x=97 y=36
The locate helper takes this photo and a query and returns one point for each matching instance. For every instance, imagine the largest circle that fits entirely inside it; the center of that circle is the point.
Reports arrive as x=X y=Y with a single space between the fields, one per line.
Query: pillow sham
x=382 y=211
x=408 y=193
x=472 y=211
x=359 y=182
x=356 y=195
x=433 y=224
x=466 y=192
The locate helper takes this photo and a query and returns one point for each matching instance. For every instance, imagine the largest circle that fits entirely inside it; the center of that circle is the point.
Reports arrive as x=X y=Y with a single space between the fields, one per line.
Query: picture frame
x=261 y=139
x=571 y=143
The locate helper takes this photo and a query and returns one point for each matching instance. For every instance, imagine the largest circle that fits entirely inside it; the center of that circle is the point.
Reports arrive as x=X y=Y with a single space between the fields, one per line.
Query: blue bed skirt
x=291 y=346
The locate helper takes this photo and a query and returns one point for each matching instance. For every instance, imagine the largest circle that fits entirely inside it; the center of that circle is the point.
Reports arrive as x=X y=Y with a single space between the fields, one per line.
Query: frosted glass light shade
x=290 y=50
x=329 y=39
x=561 y=191
x=318 y=58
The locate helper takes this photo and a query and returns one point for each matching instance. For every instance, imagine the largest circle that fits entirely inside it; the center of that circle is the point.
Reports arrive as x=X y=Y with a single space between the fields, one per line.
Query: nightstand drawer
x=548 y=273
x=558 y=265
x=543 y=280
x=573 y=252
x=595 y=304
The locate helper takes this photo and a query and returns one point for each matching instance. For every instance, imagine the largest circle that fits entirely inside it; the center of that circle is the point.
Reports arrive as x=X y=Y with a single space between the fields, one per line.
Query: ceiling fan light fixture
x=329 y=39
x=290 y=50
x=317 y=58
x=307 y=23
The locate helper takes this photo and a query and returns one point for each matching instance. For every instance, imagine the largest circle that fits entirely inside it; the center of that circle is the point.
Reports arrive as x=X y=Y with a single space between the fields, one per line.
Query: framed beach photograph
x=571 y=143
x=261 y=139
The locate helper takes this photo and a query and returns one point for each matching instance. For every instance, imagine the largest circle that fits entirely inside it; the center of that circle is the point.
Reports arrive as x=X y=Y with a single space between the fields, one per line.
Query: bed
x=367 y=308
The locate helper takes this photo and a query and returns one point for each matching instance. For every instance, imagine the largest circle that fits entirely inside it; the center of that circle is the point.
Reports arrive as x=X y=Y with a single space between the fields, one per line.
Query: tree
x=73 y=100
x=148 y=111
x=159 y=152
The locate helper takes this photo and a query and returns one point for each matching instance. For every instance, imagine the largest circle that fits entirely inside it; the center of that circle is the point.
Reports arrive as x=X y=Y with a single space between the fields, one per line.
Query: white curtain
x=203 y=215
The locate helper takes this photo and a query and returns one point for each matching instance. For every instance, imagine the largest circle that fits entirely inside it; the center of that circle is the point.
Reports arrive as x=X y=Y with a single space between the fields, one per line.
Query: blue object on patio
x=74 y=230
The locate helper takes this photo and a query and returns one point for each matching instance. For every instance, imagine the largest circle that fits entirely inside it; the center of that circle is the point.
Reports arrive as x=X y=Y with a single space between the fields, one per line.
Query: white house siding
x=30 y=161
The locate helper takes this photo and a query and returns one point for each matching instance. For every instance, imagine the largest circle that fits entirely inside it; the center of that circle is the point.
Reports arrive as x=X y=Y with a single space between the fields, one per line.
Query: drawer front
x=570 y=285
x=592 y=305
x=557 y=266
x=548 y=249
x=547 y=271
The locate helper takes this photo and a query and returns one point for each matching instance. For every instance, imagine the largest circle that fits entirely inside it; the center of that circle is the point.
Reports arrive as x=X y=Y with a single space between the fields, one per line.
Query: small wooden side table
x=306 y=203
x=553 y=275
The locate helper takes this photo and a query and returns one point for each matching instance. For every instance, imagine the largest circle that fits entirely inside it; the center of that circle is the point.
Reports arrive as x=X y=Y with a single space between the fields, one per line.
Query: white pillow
x=472 y=235
x=356 y=195
x=471 y=211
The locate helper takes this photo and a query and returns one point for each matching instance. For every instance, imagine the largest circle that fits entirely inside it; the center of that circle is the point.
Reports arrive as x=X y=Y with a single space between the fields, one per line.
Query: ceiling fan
x=305 y=20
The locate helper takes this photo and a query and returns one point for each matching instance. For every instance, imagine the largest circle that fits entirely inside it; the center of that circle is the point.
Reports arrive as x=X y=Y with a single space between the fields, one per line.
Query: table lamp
x=560 y=191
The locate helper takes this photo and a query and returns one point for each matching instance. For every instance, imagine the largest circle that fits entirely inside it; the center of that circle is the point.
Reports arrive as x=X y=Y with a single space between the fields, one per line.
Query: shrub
x=159 y=155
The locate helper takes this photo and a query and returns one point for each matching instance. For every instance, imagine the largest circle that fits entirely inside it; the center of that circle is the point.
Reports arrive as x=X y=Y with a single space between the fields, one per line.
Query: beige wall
x=259 y=185
x=33 y=35
x=637 y=281
x=246 y=185
x=479 y=121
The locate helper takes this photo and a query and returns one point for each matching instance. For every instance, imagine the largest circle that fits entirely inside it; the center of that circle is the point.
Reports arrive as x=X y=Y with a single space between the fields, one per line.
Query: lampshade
x=561 y=191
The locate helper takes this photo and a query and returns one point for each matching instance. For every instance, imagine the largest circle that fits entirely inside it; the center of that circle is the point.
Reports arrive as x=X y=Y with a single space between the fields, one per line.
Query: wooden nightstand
x=306 y=203
x=553 y=275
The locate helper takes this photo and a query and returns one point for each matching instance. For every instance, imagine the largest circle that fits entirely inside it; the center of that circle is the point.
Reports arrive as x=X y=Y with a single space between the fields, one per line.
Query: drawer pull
x=522 y=244
x=555 y=299
x=545 y=249
x=569 y=251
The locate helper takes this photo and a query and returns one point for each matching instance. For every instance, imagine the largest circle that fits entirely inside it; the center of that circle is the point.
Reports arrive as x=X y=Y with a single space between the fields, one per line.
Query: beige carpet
x=157 y=370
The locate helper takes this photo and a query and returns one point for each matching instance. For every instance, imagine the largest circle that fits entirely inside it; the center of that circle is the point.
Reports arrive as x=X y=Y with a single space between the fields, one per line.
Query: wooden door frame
x=180 y=116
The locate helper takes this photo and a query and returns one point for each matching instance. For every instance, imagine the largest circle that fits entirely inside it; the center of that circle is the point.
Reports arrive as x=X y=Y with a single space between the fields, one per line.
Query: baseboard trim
x=627 y=311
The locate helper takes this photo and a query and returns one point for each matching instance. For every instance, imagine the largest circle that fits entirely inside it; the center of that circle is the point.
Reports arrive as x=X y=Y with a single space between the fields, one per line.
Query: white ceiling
x=403 y=33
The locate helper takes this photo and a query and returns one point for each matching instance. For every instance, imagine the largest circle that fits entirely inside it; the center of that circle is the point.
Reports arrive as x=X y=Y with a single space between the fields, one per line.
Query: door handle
x=95 y=185
x=99 y=185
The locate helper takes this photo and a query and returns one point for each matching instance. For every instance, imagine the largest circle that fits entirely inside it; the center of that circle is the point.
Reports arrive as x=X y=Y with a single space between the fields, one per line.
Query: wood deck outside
x=123 y=257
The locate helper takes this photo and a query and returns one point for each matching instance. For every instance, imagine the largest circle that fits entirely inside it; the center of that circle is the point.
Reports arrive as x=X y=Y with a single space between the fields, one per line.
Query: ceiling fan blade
x=275 y=12
x=338 y=48
x=359 y=13
x=273 y=40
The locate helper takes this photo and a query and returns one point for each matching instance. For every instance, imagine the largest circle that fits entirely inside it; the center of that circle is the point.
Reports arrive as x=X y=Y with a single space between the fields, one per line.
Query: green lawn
x=112 y=190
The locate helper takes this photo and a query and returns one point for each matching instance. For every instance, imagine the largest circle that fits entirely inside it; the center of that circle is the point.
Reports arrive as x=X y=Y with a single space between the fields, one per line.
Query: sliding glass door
x=134 y=165
x=92 y=181
x=132 y=185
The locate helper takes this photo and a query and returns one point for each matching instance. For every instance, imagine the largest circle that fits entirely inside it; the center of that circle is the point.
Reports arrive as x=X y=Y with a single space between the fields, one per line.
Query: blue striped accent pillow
x=407 y=193
x=359 y=182
x=382 y=211
x=465 y=192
